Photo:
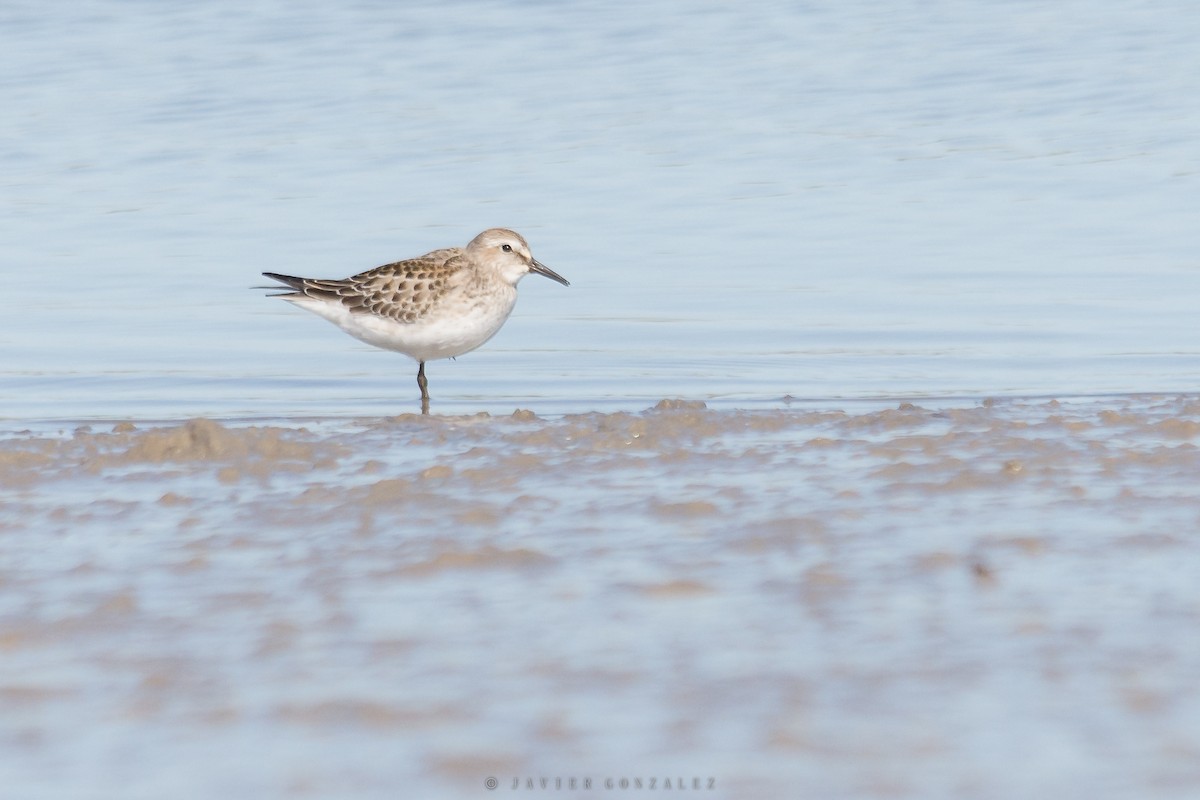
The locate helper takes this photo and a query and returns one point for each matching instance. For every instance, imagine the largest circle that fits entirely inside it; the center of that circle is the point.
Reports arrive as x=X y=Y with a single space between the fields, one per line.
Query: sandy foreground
x=994 y=599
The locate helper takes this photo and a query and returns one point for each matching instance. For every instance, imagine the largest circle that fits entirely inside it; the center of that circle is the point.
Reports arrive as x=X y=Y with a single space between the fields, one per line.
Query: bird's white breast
x=459 y=324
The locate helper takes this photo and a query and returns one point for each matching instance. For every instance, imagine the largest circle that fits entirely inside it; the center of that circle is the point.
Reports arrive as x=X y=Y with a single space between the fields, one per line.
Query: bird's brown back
x=403 y=290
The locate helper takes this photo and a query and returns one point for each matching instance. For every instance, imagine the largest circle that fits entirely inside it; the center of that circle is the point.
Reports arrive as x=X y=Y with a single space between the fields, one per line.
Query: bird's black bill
x=542 y=269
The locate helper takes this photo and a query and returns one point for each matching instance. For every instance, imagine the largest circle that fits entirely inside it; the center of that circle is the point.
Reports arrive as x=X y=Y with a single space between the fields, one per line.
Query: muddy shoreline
x=859 y=603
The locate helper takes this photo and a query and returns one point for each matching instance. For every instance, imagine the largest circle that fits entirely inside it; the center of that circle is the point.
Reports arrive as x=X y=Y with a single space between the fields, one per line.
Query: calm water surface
x=784 y=199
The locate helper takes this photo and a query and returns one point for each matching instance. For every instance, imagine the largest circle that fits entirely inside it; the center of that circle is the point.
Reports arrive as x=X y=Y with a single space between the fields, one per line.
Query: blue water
x=846 y=201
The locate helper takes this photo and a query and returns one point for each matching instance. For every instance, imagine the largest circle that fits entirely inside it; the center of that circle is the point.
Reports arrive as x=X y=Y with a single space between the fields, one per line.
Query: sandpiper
x=439 y=305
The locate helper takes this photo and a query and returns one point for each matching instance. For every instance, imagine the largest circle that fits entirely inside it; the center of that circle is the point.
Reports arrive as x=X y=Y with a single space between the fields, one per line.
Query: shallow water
x=901 y=602
x=872 y=200
x=921 y=525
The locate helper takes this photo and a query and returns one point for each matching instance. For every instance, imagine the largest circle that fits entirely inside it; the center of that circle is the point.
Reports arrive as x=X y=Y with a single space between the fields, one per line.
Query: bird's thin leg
x=424 y=384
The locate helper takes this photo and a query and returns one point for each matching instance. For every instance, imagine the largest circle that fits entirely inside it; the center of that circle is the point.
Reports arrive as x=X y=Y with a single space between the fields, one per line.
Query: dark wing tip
x=288 y=280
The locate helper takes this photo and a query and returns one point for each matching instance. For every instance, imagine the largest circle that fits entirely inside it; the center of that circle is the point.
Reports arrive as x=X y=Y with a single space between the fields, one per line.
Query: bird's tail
x=291 y=281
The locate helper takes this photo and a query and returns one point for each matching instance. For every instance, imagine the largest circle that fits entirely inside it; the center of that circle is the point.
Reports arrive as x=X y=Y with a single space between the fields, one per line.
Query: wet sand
x=990 y=599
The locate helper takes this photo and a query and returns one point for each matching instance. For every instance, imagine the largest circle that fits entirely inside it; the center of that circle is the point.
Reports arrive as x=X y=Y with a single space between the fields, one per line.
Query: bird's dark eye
x=506 y=248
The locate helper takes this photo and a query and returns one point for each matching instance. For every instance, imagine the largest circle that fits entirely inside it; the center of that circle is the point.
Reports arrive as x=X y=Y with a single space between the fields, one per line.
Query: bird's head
x=508 y=253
